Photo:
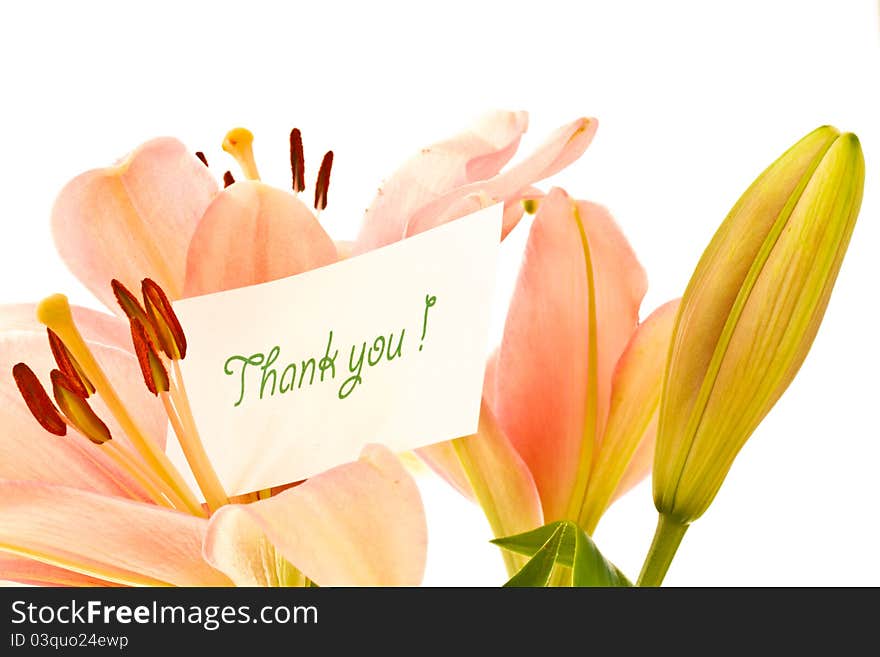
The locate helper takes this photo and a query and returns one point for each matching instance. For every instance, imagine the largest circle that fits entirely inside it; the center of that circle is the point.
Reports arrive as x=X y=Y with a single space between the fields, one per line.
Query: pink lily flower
x=101 y=504
x=571 y=397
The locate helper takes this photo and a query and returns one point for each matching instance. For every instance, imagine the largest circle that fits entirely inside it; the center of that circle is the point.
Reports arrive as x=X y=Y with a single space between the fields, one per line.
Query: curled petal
x=360 y=524
x=253 y=233
x=133 y=220
x=563 y=147
x=476 y=154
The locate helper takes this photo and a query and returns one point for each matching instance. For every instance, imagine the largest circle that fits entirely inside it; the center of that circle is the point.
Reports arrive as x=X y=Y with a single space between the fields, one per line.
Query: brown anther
x=37 y=400
x=133 y=308
x=77 y=410
x=67 y=364
x=202 y=157
x=297 y=160
x=169 y=334
x=323 y=183
x=228 y=179
x=155 y=374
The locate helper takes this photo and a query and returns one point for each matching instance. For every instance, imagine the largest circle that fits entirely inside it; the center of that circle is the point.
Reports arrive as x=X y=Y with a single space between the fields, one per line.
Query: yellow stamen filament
x=54 y=312
x=152 y=484
x=180 y=414
x=239 y=144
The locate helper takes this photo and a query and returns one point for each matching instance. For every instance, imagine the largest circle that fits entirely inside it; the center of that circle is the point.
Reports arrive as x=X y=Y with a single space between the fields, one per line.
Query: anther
x=169 y=333
x=68 y=365
x=37 y=400
x=530 y=205
x=133 y=308
x=77 y=410
x=323 y=183
x=228 y=179
x=297 y=161
x=239 y=144
x=155 y=374
x=202 y=157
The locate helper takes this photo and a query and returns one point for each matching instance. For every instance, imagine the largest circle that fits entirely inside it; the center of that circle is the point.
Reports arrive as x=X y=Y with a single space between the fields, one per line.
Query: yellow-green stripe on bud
x=750 y=313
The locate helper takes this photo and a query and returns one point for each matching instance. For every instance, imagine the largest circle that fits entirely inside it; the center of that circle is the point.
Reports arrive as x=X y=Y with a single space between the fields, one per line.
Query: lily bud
x=750 y=313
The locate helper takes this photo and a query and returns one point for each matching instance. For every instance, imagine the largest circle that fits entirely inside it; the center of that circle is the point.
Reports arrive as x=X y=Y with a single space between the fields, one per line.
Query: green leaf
x=566 y=544
x=538 y=569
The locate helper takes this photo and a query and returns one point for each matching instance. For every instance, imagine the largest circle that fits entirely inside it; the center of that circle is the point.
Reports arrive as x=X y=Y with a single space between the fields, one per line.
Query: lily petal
x=632 y=419
x=476 y=154
x=34 y=573
x=95 y=326
x=253 y=233
x=359 y=524
x=563 y=147
x=133 y=220
x=103 y=537
x=543 y=382
x=500 y=479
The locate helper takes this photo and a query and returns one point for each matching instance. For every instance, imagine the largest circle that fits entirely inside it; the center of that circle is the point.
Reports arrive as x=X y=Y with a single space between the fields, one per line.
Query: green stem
x=667 y=538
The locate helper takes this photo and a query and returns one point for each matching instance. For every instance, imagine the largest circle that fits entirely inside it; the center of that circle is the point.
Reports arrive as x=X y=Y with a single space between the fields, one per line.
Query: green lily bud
x=750 y=313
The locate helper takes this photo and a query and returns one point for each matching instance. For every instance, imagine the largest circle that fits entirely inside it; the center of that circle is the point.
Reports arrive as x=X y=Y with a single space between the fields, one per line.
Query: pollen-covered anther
x=169 y=333
x=228 y=179
x=77 y=410
x=132 y=307
x=68 y=365
x=323 y=183
x=37 y=400
x=155 y=374
x=530 y=205
x=202 y=158
x=297 y=161
x=239 y=144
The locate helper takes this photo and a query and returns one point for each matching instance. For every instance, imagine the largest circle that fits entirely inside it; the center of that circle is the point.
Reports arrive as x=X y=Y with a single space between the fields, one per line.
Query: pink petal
x=563 y=147
x=104 y=537
x=28 y=452
x=443 y=460
x=474 y=155
x=253 y=233
x=543 y=363
x=94 y=325
x=500 y=478
x=34 y=573
x=134 y=219
x=360 y=524
x=627 y=448
x=442 y=457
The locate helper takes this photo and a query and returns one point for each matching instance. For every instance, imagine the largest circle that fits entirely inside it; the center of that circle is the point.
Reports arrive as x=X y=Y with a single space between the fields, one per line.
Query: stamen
x=323 y=183
x=202 y=157
x=239 y=144
x=169 y=333
x=37 y=400
x=133 y=308
x=155 y=375
x=67 y=364
x=297 y=161
x=227 y=179
x=54 y=312
x=77 y=410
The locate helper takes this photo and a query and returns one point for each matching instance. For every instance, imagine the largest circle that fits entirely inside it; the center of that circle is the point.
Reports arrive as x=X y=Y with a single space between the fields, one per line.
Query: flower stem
x=667 y=538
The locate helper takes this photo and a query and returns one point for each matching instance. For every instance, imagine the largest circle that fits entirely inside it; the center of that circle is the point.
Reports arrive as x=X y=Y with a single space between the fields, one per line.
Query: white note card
x=289 y=378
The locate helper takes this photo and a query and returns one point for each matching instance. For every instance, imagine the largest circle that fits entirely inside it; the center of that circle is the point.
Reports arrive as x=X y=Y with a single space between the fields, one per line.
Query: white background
x=694 y=99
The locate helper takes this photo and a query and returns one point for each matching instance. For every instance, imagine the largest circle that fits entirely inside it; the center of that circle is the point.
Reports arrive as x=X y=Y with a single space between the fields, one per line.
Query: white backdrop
x=693 y=98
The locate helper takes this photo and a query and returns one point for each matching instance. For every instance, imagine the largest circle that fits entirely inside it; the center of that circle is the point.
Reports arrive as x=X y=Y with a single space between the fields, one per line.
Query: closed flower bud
x=750 y=313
